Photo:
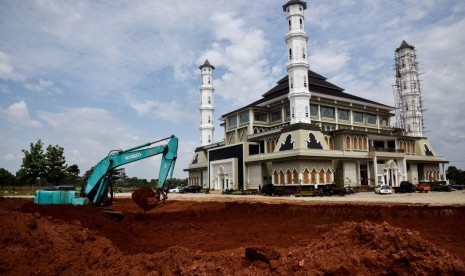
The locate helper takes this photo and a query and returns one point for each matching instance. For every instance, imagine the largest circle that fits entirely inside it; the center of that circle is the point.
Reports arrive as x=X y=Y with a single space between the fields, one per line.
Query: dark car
x=404 y=187
x=458 y=186
x=190 y=189
x=271 y=190
x=331 y=189
x=440 y=187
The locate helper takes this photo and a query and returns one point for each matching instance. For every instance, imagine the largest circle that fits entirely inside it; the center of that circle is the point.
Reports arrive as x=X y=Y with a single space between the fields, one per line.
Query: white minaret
x=409 y=103
x=297 y=68
x=206 y=103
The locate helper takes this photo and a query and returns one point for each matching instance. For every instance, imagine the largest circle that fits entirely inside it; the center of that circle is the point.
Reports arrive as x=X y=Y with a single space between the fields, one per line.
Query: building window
x=276 y=116
x=292 y=82
x=209 y=100
x=290 y=53
x=313 y=176
x=244 y=118
x=209 y=120
x=209 y=139
x=293 y=112
x=327 y=112
x=305 y=81
x=306 y=176
x=260 y=116
x=232 y=122
x=343 y=114
x=303 y=53
x=306 y=111
x=322 y=176
x=301 y=23
x=348 y=142
x=384 y=122
x=314 y=110
x=288 y=177
x=328 y=176
x=358 y=117
x=290 y=24
x=209 y=80
x=371 y=119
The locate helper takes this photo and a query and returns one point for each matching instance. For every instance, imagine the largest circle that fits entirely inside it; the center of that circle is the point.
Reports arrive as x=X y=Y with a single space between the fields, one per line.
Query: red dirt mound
x=50 y=240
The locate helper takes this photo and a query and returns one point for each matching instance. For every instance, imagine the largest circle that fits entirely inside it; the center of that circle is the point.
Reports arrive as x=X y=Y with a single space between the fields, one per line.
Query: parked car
x=404 y=187
x=191 y=189
x=330 y=189
x=176 y=189
x=440 y=187
x=271 y=190
x=423 y=187
x=383 y=189
x=458 y=186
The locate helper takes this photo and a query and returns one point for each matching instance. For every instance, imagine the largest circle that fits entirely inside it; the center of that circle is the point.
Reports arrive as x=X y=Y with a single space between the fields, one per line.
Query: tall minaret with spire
x=409 y=105
x=297 y=68
x=206 y=103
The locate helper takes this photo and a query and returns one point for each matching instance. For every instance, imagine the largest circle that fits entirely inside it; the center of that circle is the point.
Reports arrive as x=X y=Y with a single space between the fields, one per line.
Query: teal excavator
x=98 y=189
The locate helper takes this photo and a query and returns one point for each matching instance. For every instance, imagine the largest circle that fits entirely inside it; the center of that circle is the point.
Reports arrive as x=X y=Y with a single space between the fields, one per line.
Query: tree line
x=49 y=168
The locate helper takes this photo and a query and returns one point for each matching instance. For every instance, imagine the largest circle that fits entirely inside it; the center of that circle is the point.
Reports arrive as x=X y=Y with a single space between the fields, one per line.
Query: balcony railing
x=381 y=149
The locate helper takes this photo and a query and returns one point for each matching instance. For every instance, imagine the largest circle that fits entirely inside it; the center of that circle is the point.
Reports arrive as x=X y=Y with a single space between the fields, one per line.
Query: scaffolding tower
x=407 y=92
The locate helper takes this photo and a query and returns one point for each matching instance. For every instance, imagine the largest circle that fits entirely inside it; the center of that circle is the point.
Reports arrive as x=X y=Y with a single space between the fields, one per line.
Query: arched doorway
x=391 y=173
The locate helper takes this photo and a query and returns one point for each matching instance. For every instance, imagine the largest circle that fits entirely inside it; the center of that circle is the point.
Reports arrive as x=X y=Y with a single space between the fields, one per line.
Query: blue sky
x=92 y=76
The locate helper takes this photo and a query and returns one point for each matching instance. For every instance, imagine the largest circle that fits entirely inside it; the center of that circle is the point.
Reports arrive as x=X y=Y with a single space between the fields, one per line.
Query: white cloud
x=6 y=68
x=331 y=59
x=42 y=86
x=17 y=115
x=241 y=50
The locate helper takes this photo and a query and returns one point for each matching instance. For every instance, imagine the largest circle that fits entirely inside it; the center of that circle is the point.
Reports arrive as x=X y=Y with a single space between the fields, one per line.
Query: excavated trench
x=212 y=237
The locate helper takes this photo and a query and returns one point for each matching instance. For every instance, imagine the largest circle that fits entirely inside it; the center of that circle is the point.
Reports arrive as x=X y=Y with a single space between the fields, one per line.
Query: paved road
x=432 y=198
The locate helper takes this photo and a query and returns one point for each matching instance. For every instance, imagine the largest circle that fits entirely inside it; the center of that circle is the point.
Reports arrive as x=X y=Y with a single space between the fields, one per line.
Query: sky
x=93 y=76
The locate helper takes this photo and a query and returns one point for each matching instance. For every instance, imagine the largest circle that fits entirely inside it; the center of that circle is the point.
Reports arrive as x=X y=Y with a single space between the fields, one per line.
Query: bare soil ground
x=223 y=237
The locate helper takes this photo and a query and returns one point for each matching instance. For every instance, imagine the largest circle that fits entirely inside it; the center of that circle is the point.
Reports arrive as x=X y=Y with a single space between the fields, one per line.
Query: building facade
x=307 y=131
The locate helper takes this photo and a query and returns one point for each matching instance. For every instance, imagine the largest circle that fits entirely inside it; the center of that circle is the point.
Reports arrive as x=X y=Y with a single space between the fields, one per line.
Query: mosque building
x=307 y=131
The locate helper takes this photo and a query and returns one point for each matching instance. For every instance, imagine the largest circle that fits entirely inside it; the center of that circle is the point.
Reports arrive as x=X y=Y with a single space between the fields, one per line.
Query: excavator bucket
x=146 y=198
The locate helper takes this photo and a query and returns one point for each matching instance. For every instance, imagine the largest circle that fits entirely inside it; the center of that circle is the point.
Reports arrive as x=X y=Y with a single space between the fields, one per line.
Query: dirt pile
x=35 y=243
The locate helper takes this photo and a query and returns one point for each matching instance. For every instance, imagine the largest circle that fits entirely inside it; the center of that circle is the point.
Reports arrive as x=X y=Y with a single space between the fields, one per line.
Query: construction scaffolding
x=407 y=92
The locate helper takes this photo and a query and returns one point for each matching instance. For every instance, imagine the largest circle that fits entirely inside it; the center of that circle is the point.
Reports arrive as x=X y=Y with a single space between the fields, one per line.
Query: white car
x=175 y=190
x=383 y=189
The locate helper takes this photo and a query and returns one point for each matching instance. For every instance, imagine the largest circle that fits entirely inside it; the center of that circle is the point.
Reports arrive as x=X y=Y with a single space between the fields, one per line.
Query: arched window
x=331 y=143
x=295 y=176
x=209 y=100
x=281 y=177
x=303 y=53
x=301 y=23
x=322 y=176
x=313 y=179
x=328 y=176
x=290 y=24
x=306 y=176
x=275 y=177
x=288 y=177
x=347 y=142
x=355 y=144
x=290 y=53
x=360 y=143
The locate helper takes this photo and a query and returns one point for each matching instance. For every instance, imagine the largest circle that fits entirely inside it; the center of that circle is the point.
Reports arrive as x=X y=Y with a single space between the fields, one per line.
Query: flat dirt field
x=238 y=235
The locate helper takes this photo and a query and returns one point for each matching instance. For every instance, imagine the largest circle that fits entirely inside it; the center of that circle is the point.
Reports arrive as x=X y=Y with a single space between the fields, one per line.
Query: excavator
x=97 y=188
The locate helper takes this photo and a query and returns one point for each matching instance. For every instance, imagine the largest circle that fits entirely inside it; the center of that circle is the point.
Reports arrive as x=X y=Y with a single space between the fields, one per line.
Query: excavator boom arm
x=96 y=184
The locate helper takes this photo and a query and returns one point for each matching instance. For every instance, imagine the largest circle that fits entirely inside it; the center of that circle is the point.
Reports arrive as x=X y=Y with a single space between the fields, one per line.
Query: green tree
x=55 y=165
x=33 y=166
x=455 y=175
x=73 y=175
x=6 y=178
